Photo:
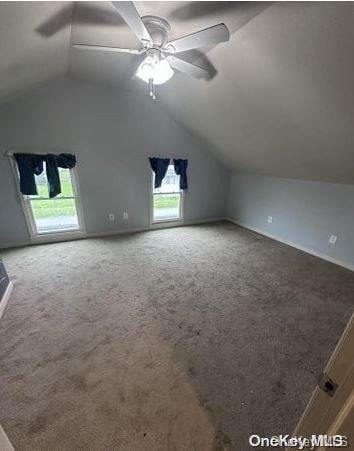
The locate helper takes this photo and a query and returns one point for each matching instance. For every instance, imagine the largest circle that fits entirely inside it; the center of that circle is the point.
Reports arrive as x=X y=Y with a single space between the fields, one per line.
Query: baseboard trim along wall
x=5 y=299
x=290 y=243
x=5 y=444
x=84 y=235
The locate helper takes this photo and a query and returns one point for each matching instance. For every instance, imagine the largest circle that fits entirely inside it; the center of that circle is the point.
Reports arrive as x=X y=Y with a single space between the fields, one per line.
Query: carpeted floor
x=180 y=339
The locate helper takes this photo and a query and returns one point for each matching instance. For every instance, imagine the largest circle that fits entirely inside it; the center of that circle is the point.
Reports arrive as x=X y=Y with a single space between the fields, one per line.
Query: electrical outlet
x=125 y=215
x=270 y=219
x=332 y=239
x=111 y=216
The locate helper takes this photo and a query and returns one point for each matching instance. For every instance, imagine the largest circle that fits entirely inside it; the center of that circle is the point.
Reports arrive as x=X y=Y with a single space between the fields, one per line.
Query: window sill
x=166 y=223
x=56 y=236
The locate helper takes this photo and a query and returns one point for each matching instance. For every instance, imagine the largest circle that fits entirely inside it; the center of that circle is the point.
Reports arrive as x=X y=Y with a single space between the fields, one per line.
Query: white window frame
x=28 y=212
x=163 y=222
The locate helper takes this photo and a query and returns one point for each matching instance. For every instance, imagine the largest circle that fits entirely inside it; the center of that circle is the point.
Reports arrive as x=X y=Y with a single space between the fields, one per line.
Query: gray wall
x=112 y=133
x=304 y=213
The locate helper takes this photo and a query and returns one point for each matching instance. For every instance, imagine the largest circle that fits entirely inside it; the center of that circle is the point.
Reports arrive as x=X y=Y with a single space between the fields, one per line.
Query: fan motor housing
x=158 y=28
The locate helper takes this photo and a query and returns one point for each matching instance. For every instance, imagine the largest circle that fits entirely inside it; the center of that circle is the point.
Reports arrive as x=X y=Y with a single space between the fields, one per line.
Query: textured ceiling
x=281 y=103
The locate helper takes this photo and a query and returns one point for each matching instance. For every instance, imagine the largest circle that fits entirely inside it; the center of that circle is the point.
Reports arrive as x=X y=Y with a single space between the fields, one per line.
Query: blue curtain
x=181 y=170
x=30 y=165
x=159 y=166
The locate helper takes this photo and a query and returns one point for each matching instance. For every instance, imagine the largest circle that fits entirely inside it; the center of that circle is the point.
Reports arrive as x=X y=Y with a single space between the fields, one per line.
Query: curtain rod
x=11 y=154
x=173 y=158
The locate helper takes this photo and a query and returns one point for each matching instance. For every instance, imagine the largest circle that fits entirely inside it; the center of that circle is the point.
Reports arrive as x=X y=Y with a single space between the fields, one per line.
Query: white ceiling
x=282 y=102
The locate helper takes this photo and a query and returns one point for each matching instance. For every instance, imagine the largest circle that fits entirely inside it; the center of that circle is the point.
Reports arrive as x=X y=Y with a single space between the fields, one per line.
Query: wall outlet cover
x=332 y=239
x=125 y=215
x=111 y=216
x=270 y=219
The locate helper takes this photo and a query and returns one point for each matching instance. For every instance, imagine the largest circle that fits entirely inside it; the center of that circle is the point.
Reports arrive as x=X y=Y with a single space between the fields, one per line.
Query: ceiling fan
x=157 y=55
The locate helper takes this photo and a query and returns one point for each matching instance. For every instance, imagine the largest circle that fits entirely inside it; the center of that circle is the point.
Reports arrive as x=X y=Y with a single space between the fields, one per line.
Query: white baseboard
x=5 y=299
x=11 y=244
x=290 y=243
x=5 y=444
x=157 y=226
x=82 y=235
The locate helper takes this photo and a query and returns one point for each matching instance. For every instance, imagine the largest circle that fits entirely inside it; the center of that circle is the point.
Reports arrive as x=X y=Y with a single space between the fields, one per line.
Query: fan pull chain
x=152 y=92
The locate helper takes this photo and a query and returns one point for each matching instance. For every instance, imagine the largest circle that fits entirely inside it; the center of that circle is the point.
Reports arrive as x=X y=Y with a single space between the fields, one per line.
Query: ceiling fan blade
x=60 y=20
x=130 y=15
x=187 y=68
x=212 y=35
x=200 y=59
x=243 y=11
x=107 y=48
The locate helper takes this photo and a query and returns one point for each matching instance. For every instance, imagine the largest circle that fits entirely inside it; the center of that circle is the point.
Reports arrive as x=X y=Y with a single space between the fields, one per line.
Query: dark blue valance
x=159 y=166
x=30 y=165
x=181 y=170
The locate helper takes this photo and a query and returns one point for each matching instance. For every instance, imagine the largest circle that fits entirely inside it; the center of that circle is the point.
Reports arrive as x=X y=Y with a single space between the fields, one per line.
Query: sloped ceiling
x=26 y=57
x=281 y=103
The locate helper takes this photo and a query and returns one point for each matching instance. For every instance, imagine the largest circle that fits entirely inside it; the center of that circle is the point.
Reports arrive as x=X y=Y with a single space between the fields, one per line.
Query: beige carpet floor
x=180 y=339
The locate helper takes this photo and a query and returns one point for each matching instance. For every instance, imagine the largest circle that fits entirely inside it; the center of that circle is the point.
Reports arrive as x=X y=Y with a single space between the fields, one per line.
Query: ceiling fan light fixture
x=160 y=60
x=159 y=71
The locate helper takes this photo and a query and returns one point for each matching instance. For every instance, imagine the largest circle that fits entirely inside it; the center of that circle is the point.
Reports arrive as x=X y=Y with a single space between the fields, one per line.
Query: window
x=59 y=214
x=168 y=199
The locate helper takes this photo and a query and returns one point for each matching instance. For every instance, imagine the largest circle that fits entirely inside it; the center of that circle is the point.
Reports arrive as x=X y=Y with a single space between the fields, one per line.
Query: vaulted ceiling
x=281 y=102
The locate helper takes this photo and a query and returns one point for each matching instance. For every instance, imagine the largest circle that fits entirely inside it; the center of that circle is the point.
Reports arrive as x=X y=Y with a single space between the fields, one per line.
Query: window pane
x=167 y=198
x=170 y=183
x=41 y=182
x=166 y=206
x=54 y=214
x=65 y=182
